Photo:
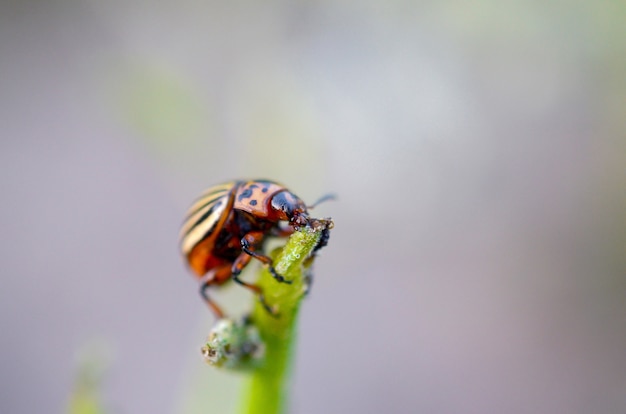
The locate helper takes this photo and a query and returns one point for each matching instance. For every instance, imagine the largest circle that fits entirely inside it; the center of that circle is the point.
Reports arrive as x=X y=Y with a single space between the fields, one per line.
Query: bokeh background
x=478 y=149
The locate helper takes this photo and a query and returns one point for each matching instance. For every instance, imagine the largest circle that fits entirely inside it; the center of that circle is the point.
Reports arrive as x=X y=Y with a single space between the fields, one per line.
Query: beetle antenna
x=326 y=197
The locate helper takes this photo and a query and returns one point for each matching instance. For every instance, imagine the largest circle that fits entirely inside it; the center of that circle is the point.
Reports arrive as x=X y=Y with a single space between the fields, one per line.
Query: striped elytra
x=203 y=216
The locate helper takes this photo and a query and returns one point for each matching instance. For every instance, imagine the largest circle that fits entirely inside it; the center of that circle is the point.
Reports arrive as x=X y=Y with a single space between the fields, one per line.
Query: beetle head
x=288 y=207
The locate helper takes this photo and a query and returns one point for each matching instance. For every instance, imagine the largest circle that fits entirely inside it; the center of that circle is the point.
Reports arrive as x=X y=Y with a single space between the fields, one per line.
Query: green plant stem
x=267 y=388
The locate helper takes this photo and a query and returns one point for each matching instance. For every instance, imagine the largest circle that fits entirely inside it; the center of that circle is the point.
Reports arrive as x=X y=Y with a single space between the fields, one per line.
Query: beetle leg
x=323 y=239
x=282 y=231
x=214 y=277
x=247 y=243
x=241 y=262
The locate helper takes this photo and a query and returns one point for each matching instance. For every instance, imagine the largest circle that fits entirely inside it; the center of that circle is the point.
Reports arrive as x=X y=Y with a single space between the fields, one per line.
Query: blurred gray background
x=478 y=150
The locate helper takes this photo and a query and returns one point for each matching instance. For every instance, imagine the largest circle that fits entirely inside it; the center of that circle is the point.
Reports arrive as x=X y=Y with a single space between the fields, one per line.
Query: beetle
x=227 y=225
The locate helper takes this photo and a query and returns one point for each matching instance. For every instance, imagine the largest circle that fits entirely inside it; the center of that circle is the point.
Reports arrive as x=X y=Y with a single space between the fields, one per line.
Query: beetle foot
x=278 y=277
x=270 y=309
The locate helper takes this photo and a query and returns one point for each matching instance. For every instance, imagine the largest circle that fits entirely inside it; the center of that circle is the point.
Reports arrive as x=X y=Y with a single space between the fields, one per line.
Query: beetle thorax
x=254 y=197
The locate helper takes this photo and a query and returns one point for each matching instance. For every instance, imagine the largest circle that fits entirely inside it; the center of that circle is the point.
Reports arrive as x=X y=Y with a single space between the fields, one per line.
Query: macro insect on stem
x=227 y=226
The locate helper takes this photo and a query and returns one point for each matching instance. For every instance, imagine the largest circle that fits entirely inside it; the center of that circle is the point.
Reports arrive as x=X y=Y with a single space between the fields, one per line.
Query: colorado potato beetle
x=227 y=226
